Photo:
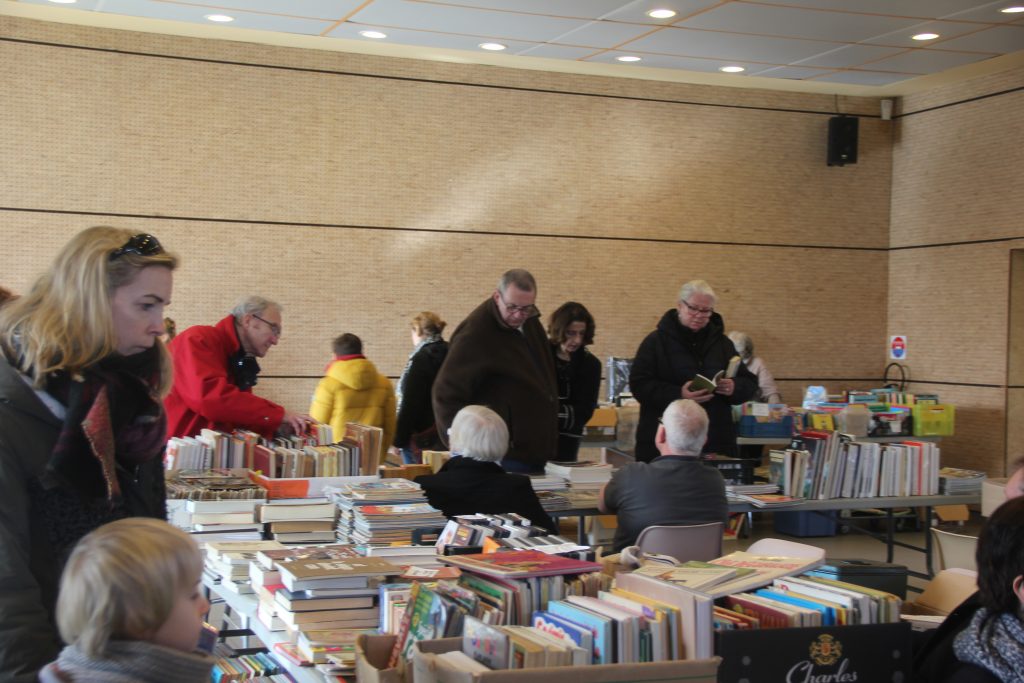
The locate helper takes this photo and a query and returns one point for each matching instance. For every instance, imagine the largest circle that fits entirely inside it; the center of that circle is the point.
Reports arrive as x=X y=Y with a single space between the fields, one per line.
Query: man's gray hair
x=254 y=305
x=686 y=426
x=696 y=287
x=478 y=432
x=519 y=277
x=743 y=343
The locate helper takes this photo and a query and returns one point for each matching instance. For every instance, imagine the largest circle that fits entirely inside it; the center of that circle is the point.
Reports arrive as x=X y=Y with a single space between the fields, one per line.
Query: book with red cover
x=520 y=564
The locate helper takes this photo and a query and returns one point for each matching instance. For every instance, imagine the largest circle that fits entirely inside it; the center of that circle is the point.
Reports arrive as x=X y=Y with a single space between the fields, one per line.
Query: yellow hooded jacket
x=353 y=391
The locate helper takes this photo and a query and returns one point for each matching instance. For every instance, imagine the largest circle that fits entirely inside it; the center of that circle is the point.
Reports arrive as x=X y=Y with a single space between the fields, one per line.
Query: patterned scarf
x=408 y=364
x=995 y=644
x=114 y=420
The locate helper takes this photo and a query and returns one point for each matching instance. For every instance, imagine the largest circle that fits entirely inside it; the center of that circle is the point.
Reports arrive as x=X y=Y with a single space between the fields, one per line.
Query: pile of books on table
x=759 y=495
x=552 y=501
x=954 y=481
x=580 y=475
x=218 y=504
x=509 y=531
x=383 y=512
x=299 y=521
x=227 y=563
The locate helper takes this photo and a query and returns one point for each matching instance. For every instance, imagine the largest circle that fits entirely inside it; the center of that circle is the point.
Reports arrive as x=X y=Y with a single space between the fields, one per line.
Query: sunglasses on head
x=140 y=245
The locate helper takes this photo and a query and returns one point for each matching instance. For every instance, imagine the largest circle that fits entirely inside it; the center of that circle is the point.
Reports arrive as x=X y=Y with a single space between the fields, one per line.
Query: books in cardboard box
x=765 y=569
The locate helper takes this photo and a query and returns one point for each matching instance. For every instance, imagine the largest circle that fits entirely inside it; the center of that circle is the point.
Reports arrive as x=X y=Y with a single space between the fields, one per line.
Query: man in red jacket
x=215 y=369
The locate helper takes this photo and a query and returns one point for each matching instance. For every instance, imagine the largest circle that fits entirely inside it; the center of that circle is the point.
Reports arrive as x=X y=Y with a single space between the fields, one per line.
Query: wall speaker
x=842 y=140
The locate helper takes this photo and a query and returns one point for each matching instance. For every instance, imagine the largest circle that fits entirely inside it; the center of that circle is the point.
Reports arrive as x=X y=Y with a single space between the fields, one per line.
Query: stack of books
x=224 y=520
x=959 y=482
x=227 y=562
x=759 y=495
x=251 y=666
x=382 y=512
x=299 y=521
x=580 y=475
x=547 y=482
x=329 y=588
x=552 y=501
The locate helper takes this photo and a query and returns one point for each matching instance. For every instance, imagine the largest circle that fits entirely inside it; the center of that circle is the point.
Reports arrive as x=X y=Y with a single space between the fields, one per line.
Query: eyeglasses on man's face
x=140 y=245
x=528 y=310
x=274 y=327
x=696 y=310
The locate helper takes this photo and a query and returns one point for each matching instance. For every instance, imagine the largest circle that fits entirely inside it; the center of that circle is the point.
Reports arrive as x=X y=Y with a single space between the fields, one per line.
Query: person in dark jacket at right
x=689 y=341
x=416 y=430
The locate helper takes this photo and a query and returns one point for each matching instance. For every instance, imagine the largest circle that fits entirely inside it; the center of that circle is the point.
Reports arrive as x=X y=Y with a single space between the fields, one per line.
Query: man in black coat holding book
x=689 y=341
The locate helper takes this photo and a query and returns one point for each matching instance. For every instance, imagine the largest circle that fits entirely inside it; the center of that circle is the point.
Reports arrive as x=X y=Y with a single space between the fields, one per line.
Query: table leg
x=889 y=521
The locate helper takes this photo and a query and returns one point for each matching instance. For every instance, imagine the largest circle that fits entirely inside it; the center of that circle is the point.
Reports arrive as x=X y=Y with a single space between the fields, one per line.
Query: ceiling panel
x=583 y=9
x=1001 y=39
x=875 y=78
x=197 y=13
x=425 y=38
x=925 y=62
x=672 y=62
x=790 y=72
x=714 y=44
x=461 y=20
x=558 y=52
x=906 y=8
x=945 y=29
x=637 y=11
x=849 y=55
x=603 y=34
x=306 y=9
x=788 y=22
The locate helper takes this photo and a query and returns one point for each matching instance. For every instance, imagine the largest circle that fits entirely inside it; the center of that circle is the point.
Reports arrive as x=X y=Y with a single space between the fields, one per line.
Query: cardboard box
x=944 y=593
x=428 y=668
x=833 y=653
x=302 y=487
x=372 y=653
x=602 y=424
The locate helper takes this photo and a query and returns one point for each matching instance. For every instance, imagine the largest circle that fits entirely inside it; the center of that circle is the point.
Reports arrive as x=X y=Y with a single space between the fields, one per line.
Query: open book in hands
x=702 y=383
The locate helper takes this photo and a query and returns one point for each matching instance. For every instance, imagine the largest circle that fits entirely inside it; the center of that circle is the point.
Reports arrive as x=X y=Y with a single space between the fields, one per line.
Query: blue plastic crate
x=749 y=426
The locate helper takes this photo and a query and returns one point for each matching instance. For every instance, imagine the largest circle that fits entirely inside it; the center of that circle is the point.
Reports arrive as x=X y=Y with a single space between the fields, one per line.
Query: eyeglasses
x=698 y=311
x=274 y=327
x=140 y=245
x=529 y=310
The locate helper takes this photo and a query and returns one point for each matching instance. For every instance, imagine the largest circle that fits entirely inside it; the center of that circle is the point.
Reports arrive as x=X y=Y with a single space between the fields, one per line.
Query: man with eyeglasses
x=689 y=341
x=499 y=357
x=215 y=370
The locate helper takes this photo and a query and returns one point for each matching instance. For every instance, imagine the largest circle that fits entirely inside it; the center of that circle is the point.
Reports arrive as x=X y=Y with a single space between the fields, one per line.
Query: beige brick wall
x=360 y=190
x=957 y=154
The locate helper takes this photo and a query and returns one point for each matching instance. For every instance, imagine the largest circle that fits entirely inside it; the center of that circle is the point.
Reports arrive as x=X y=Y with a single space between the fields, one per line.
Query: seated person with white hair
x=472 y=481
x=675 y=487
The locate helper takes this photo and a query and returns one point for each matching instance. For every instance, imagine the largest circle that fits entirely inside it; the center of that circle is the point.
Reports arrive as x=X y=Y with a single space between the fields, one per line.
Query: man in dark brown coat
x=500 y=357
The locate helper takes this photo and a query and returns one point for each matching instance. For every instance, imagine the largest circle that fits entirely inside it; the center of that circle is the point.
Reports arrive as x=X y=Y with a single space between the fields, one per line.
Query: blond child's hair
x=121 y=581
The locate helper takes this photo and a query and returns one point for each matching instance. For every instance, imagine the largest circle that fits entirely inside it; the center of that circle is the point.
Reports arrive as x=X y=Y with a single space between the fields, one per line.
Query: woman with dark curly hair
x=571 y=330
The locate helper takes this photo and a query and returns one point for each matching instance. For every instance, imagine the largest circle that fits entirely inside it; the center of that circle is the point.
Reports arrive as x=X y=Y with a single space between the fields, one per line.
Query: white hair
x=478 y=432
x=744 y=345
x=254 y=305
x=521 y=278
x=696 y=287
x=686 y=426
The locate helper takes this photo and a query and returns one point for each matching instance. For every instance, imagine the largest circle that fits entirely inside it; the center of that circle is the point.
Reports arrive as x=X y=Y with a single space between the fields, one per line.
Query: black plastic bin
x=883 y=576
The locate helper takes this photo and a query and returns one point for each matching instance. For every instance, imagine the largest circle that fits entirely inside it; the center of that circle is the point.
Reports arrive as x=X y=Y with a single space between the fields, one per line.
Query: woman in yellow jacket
x=353 y=391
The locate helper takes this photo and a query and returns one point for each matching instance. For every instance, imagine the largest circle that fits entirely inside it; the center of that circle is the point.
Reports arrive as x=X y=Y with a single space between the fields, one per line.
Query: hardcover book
x=519 y=564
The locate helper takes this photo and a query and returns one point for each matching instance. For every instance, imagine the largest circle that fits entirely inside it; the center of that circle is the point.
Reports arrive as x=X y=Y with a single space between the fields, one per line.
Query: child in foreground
x=130 y=607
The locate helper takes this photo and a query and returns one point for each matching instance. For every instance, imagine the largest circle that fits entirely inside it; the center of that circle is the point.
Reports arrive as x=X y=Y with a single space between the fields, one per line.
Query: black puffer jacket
x=670 y=357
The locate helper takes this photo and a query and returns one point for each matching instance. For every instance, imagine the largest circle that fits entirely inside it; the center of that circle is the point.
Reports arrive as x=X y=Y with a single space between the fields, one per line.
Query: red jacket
x=203 y=394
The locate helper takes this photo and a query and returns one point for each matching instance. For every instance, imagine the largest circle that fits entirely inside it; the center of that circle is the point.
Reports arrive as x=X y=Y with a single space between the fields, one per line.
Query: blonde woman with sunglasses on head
x=82 y=375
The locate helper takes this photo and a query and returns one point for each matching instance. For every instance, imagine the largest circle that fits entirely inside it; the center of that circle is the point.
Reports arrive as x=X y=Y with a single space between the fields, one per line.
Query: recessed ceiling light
x=376 y=35
x=732 y=69
x=1012 y=10
x=925 y=36
x=629 y=58
x=661 y=13
x=495 y=47
x=220 y=18
x=71 y=2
